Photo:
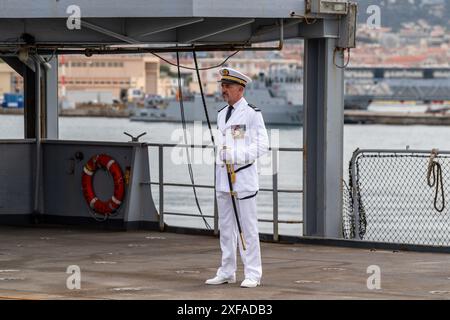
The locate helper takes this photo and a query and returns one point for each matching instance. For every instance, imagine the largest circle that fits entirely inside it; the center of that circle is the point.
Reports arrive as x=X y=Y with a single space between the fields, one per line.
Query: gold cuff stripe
x=234 y=79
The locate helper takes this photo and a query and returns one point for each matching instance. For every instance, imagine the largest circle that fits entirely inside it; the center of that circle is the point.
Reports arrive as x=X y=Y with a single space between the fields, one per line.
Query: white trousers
x=230 y=238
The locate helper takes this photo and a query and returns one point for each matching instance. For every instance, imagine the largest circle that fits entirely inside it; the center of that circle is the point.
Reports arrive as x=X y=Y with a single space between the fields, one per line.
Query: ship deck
x=154 y=265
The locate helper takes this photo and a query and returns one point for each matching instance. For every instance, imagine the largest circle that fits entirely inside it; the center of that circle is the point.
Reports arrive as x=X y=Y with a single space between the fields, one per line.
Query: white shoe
x=250 y=283
x=221 y=280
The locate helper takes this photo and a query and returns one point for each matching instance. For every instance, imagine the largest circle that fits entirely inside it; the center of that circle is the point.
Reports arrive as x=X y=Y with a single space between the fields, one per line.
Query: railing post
x=161 y=186
x=275 y=192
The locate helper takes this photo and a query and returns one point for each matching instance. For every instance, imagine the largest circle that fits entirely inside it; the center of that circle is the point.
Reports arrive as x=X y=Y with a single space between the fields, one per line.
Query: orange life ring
x=89 y=169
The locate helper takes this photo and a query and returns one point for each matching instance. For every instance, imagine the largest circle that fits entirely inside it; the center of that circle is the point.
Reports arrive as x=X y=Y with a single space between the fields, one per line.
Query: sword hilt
x=230 y=169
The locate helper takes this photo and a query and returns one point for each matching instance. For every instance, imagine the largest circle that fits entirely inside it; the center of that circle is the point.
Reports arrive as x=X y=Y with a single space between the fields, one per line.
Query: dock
x=162 y=265
x=108 y=112
x=350 y=116
x=396 y=118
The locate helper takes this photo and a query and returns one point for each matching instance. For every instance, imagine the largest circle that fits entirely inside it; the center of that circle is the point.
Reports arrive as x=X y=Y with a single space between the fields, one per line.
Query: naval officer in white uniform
x=242 y=138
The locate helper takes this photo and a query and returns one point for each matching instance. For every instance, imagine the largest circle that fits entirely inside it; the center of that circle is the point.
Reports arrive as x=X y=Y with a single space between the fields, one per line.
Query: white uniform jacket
x=245 y=137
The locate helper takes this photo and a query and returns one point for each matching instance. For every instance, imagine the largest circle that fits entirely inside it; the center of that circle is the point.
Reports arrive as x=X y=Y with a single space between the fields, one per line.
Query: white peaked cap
x=233 y=76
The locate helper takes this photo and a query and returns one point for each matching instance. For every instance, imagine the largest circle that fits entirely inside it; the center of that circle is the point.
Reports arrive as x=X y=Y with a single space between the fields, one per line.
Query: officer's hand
x=225 y=155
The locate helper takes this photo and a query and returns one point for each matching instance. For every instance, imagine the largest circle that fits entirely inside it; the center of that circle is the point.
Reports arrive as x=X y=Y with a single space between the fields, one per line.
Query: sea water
x=181 y=199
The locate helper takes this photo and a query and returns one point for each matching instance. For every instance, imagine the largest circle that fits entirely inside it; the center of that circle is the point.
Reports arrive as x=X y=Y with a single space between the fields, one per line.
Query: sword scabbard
x=231 y=179
x=244 y=247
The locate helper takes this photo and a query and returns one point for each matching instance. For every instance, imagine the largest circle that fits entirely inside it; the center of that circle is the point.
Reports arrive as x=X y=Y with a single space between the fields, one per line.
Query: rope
x=196 y=68
x=183 y=121
x=203 y=99
x=435 y=171
x=205 y=109
x=343 y=52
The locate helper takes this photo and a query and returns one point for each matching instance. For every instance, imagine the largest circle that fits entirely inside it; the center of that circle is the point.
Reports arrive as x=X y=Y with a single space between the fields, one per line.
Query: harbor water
x=181 y=199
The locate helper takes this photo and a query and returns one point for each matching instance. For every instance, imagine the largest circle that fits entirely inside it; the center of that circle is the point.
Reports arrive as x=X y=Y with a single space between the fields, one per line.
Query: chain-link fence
x=348 y=222
x=398 y=197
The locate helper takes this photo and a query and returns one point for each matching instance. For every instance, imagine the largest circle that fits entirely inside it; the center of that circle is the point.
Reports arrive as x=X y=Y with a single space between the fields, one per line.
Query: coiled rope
x=434 y=179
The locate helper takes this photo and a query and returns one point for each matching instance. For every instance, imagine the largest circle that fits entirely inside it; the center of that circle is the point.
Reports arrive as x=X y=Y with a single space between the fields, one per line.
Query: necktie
x=229 y=111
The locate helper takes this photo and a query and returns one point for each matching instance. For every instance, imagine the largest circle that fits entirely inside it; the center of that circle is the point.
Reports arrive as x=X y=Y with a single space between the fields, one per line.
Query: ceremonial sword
x=230 y=172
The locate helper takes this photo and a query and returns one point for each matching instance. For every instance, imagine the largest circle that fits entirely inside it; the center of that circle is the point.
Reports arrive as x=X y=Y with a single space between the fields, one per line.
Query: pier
x=396 y=118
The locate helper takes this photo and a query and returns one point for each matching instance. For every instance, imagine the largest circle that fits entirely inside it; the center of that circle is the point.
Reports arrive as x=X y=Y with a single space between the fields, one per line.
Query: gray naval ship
x=279 y=98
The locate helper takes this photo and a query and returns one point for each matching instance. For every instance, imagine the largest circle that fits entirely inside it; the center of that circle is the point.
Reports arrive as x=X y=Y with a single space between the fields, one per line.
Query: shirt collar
x=239 y=103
